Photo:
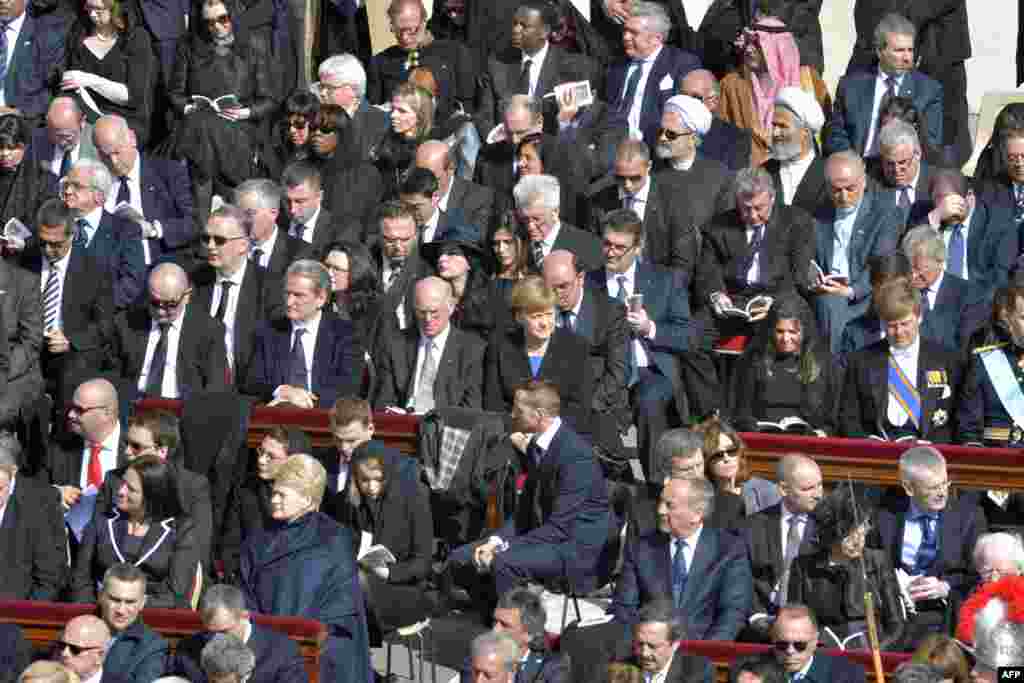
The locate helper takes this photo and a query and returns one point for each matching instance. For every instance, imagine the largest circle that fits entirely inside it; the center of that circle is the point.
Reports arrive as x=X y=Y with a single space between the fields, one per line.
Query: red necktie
x=95 y=468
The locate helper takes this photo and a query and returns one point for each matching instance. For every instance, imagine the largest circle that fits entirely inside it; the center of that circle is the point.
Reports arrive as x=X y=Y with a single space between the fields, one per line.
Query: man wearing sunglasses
x=82 y=648
x=169 y=349
x=795 y=640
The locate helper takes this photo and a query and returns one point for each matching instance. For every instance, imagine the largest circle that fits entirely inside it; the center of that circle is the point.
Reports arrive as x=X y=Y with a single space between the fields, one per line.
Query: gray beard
x=786 y=151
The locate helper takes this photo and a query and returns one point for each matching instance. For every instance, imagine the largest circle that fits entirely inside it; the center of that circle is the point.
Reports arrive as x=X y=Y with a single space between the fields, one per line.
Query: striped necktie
x=51 y=299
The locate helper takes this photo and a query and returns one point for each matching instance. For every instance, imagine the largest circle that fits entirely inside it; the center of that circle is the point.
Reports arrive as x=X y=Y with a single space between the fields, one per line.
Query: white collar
x=544 y=439
x=649 y=59
x=630 y=274
x=691 y=540
x=235 y=277
x=938 y=282
x=93 y=218
x=439 y=340
x=909 y=352
x=684 y=165
x=312 y=325
x=311 y=223
x=16 y=24
x=538 y=57
x=549 y=240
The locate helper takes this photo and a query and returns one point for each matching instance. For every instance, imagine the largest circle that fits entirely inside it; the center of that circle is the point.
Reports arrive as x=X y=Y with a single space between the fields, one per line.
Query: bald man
x=434 y=364
x=723 y=142
x=476 y=202
x=66 y=138
x=82 y=647
x=169 y=349
x=157 y=191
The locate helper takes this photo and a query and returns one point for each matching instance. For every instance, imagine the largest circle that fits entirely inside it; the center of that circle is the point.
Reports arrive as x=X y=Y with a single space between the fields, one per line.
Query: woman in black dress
x=356 y=289
x=353 y=188
x=110 y=66
x=291 y=137
x=412 y=119
x=23 y=186
x=458 y=260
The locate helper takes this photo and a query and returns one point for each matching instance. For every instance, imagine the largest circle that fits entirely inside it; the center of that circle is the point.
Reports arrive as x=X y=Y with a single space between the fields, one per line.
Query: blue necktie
x=1018 y=203
x=929 y=547
x=124 y=193
x=755 y=247
x=634 y=370
x=3 y=51
x=956 y=251
x=297 y=373
x=81 y=238
x=632 y=81
x=679 y=574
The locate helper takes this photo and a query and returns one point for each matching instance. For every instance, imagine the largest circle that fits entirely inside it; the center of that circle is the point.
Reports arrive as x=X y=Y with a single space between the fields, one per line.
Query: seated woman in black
x=351 y=187
x=509 y=248
x=832 y=581
x=381 y=513
x=784 y=374
x=536 y=349
x=355 y=288
x=458 y=259
x=214 y=62
x=412 y=119
x=148 y=529
x=291 y=136
x=23 y=186
x=109 y=65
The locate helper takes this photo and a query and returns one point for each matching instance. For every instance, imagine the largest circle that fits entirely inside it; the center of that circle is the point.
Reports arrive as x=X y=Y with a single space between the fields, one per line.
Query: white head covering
x=803 y=105
x=695 y=115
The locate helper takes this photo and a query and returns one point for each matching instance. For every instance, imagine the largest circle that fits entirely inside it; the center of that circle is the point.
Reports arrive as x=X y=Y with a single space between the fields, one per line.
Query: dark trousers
x=653 y=402
x=514 y=567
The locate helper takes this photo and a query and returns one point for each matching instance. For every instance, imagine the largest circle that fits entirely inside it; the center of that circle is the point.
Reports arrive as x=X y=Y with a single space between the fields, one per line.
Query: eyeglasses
x=136 y=446
x=784 y=645
x=68 y=184
x=168 y=305
x=298 y=123
x=726 y=453
x=614 y=248
x=672 y=135
x=82 y=410
x=325 y=130
x=219 y=240
x=223 y=20
x=75 y=649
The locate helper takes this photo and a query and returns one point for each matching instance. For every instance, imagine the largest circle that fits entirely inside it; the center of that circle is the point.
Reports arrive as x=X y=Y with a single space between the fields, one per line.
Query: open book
x=908 y=437
x=791 y=425
x=816 y=273
x=757 y=302
x=370 y=555
x=219 y=104
x=854 y=641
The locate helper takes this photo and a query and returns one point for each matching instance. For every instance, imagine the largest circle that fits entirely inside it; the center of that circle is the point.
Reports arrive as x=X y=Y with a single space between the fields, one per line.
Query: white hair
x=344 y=69
x=999 y=541
x=100 y=179
x=657 y=18
x=919 y=458
x=898 y=132
x=543 y=189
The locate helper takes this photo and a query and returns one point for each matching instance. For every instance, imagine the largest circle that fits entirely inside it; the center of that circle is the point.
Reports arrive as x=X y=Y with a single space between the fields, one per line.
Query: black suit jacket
x=62 y=464
x=15 y=652
x=727 y=144
x=811 y=193
x=865 y=396
x=762 y=533
x=460 y=372
x=277 y=657
x=337 y=360
x=400 y=292
x=475 y=201
x=248 y=513
x=287 y=250
x=325 y=231
x=117 y=247
x=33 y=556
x=260 y=298
x=202 y=358
x=828 y=669
x=586 y=246
x=683 y=669
x=602 y=322
x=167 y=197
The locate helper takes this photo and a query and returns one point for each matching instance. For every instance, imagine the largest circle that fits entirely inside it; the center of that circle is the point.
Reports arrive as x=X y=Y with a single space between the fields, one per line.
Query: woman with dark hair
x=109 y=65
x=148 y=529
x=412 y=121
x=508 y=243
x=387 y=514
x=355 y=288
x=23 y=187
x=290 y=140
x=992 y=163
x=536 y=156
x=458 y=260
x=218 y=60
x=726 y=466
x=833 y=581
x=345 y=179
x=784 y=374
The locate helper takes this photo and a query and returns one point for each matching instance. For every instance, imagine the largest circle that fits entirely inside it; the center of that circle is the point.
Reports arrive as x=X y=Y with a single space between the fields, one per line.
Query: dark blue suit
x=668 y=70
x=337 y=360
x=165 y=21
x=39 y=50
x=728 y=144
x=538 y=667
x=138 y=653
x=718 y=596
x=992 y=247
x=277 y=657
x=855 y=97
x=167 y=197
x=828 y=669
x=875 y=232
x=980 y=405
x=117 y=247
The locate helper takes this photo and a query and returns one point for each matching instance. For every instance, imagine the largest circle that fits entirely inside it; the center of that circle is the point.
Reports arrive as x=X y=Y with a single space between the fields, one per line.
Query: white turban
x=804 y=105
x=695 y=115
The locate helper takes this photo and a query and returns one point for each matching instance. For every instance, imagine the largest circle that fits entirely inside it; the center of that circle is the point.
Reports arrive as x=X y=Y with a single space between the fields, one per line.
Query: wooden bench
x=43 y=622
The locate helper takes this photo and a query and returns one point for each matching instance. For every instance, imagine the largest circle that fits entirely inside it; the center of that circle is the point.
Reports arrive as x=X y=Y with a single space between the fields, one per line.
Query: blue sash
x=905 y=392
x=1005 y=383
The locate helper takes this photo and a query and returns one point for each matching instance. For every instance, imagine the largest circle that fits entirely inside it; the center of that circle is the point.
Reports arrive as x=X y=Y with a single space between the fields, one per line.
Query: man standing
x=137 y=652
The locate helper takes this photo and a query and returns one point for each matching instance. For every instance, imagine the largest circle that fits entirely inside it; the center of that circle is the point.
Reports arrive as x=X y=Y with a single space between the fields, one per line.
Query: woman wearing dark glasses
x=292 y=136
x=352 y=187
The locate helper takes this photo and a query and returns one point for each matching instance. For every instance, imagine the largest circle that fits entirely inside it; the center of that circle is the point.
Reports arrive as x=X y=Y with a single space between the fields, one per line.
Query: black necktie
x=81 y=239
x=631 y=83
x=222 y=306
x=65 y=163
x=155 y=380
x=256 y=255
x=297 y=374
x=524 y=78
x=755 y=247
x=567 y=321
x=124 y=193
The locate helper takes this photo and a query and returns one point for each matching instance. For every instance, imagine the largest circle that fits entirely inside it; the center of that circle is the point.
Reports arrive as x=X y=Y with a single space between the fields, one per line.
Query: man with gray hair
x=170 y=348
x=497 y=165
x=795 y=165
x=952 y=308
x=538 y=206
x=223 y=610
x=269 y=247
x=494 y=658
x=901 y=172
x=931 y=537
x=227 y=658
x=109 y=239
x=343 y=82
x=996 y=555
x=309 y=357
x=860 y=94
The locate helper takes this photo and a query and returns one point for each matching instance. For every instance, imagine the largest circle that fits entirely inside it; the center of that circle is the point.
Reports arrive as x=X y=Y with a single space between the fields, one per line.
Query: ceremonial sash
x=905 y=392
x=1004 y=381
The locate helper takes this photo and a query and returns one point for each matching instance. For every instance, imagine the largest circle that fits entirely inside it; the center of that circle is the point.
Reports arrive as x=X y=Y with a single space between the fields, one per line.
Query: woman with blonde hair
x=726 y=466
x=412 y=120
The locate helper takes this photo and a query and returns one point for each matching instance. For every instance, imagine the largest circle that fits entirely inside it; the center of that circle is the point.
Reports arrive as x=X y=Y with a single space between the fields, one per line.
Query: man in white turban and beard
x=795 y=165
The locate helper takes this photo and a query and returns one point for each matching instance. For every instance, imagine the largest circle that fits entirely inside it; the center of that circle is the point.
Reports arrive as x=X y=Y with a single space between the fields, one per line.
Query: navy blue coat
x=117 y=248
x=39 y=50
x=307 y=569
x=138 y=653
x=992 y=246
x=727 y=143
x=167 y=197
x=663 y=82
x=15 y=652
x=854 y=103
x=718 y=595
x=828 y=669
x=980 y=405
x=277 y=657
x=337 y=360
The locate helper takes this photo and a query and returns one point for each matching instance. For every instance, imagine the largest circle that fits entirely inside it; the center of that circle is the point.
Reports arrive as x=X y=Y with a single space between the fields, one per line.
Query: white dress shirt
x=62 y=273
x=536 y=64
x=421 y=354
x=92 y=220
x=906 y=359
x=169 y=387
x=881 y=88
x=108 y=456
x=791 y=174
x=307 y=227
x=58 y=157
x=612 y=282
x=231 y=307
x=267 y=248
x=682 y=164
x=639 y=199
x=430 y=227
x=13 y=33
x=312 y=326
x=134 y=181
x=10 y=493
x=842 y=231
x=636 y=106
x=695 y=11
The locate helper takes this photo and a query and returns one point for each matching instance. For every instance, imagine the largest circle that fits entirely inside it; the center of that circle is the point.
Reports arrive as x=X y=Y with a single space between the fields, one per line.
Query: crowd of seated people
x=704 y=237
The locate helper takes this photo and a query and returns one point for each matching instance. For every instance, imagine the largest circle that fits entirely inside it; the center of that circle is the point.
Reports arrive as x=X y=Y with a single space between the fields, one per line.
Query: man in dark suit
x=778 y=534
x=233 y=289
x=868 y=329
x=796 y=168
x=723 y=141
x=538 y=201
x=16 y=652
x=223 y=610
x=902 y=385
x=82 y=647
x=157 y=191
x=659 y=329
x=420 y=191
x=137 y=652
x=851 y=227
x=902 y=174
x=33 y=50
x=531 y=66
x=859 y=95
x=113 y=241
x=32 y=537
x=397 y=257
x=705 y=570
x=271 y=248
x=21 y=313
x=308 y=220
x=343 y=82
x=308 y=358
x=155 y=433
x=562 y=524
x=953 y=307
x=655 y=647
x=169 y=349
x=496 y=164
x=66 y=138
x=795 y=638
x=638 y=88
x=77 y=306
x=476 y=202
x=436 y=365
x=931 y=537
